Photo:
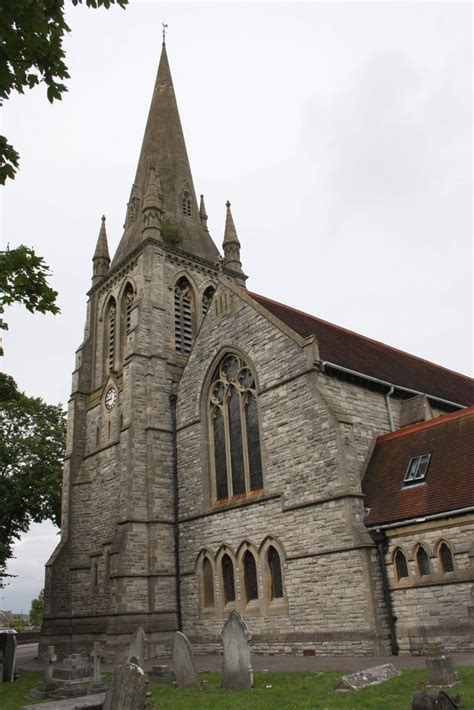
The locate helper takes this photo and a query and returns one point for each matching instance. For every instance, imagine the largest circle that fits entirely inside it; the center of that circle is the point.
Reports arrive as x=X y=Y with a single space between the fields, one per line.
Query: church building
x=225 y=451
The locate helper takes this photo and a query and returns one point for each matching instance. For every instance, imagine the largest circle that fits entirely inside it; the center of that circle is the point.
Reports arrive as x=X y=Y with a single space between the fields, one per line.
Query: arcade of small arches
x=423 y=562
x=250 y=580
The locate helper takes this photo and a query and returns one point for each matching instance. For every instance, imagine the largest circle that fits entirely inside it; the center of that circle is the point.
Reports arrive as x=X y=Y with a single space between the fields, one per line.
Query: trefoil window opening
x=417 y=469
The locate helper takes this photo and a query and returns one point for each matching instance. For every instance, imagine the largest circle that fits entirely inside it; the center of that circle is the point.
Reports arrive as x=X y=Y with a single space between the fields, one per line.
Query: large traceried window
x=235 y=440
x=183 y=316
x=110 y=335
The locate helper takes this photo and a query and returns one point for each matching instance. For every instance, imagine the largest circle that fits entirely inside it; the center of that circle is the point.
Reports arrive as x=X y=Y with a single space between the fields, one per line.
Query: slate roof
x=357 y=352
x=449 y=482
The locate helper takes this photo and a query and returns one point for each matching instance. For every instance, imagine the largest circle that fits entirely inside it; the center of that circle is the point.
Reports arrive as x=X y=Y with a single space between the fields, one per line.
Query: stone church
x=225 y=451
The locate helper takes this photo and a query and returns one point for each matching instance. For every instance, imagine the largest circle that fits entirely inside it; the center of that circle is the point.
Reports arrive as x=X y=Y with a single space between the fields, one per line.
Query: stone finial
x=231 y=244
x=202 y=213
x=101 y=258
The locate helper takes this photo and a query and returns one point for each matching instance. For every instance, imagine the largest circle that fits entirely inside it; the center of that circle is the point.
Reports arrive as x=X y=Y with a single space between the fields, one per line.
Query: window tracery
x=235 y=456
x=183 y=316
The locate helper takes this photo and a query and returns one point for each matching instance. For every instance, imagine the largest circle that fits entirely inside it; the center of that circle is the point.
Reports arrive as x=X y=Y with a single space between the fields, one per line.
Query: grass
x=289 y=691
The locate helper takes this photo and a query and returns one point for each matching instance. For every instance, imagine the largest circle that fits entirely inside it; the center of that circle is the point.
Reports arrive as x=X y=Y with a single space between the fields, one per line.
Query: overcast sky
x=340 y=132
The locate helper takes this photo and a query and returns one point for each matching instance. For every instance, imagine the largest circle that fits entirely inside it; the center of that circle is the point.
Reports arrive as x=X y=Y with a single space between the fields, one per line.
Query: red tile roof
x=449 y=482
x=356 y=352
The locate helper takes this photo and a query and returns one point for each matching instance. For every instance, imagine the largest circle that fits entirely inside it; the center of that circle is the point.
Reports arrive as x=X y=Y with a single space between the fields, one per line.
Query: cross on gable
x=98 y=651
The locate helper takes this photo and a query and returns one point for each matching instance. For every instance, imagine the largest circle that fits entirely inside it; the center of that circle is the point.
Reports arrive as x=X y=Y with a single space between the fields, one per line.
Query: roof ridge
x=359 y=335
x=425 y=425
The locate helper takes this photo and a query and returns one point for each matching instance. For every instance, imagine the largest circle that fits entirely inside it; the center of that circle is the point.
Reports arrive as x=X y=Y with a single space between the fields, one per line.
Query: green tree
x=32 y=436
x=23 y=279
x=31 y=53
x=36 y=611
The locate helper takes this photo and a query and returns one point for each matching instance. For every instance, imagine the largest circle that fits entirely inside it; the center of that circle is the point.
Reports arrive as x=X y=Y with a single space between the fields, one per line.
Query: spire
x=231 y=244
x=203 y=214
x=101 y=258
x=164 y=147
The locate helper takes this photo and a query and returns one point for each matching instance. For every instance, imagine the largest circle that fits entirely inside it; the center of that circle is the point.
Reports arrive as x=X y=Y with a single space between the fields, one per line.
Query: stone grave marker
x=183 y=661
x=8 y=650
x=97 y=654
x=137 y=647
x=440 y=669
x=237 y=671
x=47 y=687
x=434 y=699
x=128 y=688
x=162 y=675
x=370 y=676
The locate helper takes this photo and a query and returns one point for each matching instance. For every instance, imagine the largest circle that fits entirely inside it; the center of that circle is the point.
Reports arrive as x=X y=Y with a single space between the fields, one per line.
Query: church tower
x=115 y=566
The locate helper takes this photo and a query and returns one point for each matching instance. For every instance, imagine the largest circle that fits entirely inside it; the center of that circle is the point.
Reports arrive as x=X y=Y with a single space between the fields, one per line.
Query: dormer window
x=186 y=204
x=417 y=469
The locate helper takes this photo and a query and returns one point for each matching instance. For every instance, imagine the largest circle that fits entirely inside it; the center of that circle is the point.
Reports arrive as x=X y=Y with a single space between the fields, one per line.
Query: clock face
x=110 y=398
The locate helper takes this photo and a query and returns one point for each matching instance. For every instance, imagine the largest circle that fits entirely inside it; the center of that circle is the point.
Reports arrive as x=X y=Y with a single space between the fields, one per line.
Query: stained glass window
x=208 y=583
x=423 y=561
x=250 y=577
x=228 y=579
x=274 y=564
x=446 y=558
x=236 y=457
x=183 y=317
x=401 y=564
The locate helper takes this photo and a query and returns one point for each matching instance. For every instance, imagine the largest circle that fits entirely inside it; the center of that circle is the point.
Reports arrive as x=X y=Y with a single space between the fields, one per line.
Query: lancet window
x=186 y=204
x=208 y=583
x=274 y=569
x=423 y=562
x=206 y=299
x=110 y=334
x=235 y=440
x=446 y=558
x=126 y=306
x=183 y=316
x=401 y=565
x=250 y=577
x=228 y=581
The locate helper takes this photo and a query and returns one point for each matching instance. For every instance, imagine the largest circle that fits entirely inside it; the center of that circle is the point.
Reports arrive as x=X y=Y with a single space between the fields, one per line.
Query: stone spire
x=203 y=214
x=231 y=244
x=101 y=258
x=164 y=147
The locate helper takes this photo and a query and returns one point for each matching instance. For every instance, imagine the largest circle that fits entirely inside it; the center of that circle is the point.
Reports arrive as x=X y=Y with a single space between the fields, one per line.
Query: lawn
x=288 y=691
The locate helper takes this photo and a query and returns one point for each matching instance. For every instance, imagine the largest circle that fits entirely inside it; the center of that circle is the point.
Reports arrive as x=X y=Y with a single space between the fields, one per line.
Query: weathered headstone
x=127 y=690
x=370 y=676
x=440 y=669
x=137 y=647
x=47 y=687
x=162 y=675
x=97 y=654
x=8 y=655
x=434 y=699
x=237 y=671
x=183 y=661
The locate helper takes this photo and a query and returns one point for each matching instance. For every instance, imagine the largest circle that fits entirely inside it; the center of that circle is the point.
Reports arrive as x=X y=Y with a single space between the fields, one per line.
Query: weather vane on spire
x=165 y=27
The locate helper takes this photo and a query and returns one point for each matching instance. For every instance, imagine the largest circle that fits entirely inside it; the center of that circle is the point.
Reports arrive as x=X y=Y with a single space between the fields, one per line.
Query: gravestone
x=237 y=671
x=183 y=661
x=137 y=647
x=88 y=702
x=47 y=687
x=8 y=655
x=128 y=688
x=434 y=699
x=97 y=654
x=370 y=676
x=162 y=675
x=440 y=669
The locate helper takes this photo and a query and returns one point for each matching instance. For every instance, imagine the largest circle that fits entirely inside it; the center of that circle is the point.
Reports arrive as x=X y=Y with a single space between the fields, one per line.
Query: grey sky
x=341 y=133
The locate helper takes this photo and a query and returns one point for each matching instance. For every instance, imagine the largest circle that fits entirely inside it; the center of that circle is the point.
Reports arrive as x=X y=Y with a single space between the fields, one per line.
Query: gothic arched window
x=401 y=565
x=128 y=298
x=274 y=570
x=228 y=582
x=235 y=439
x=208 y=583
x=446 y=558
x=186 y=204
x=423 y=561
x=183 y=316
x=206 y=299
x=250 y=577
x=110 y=335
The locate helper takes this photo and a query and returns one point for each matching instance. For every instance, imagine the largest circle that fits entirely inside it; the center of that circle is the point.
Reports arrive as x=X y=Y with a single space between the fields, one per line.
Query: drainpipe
x=389 y=407
x=380 y=540
x=173 y=399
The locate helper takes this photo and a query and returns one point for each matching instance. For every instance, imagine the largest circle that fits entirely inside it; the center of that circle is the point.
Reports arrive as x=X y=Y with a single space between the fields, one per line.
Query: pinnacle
x=102 y=248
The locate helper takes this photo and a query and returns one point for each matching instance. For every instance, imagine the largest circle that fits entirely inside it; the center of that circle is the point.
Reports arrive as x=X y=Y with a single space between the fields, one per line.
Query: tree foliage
x=31 y=53
x=32 y=438
x=36 y=611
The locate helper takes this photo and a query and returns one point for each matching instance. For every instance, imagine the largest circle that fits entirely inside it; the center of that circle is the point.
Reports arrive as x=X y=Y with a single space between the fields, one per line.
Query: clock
x=110 y=398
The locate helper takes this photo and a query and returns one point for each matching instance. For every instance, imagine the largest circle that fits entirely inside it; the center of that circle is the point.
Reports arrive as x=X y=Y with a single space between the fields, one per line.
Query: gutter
x=173 y=399
x=433 y=516
x=381 y=542
x=324 y=363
